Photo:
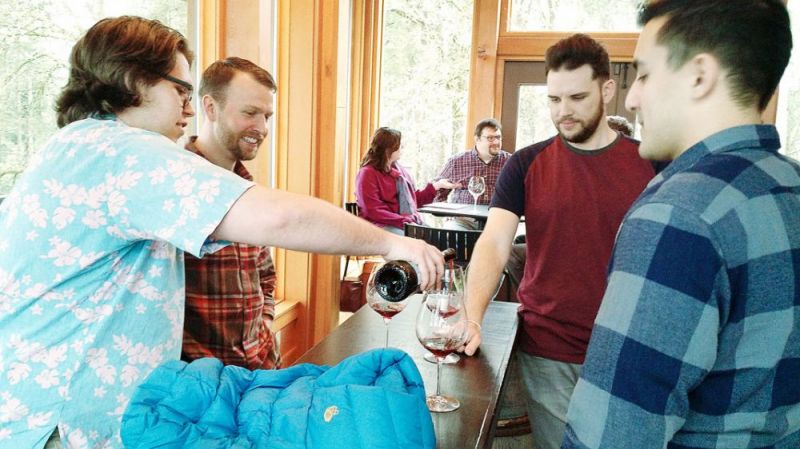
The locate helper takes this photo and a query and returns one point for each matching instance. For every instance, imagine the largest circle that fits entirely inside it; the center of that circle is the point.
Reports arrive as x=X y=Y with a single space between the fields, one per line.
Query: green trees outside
x=36 y=37
x=569 y=15
x=424 y=80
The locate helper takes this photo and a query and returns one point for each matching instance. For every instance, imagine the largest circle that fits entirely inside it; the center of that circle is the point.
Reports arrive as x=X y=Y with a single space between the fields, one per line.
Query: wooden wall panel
x=211 y=20
x=248 y=33
x=483 y=65
x=306 y=141
x=532 y=46
x=324 y=299
x=365 y=72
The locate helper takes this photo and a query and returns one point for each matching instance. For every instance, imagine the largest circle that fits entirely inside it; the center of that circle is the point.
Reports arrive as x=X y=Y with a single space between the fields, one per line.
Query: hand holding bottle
x=396 y=280
x=428 y=259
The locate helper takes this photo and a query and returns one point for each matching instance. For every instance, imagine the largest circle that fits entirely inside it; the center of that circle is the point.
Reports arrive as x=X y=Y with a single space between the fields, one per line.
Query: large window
x=788 y=120
x=570 y=15
x=533 y=116
x=36 y=37
x=424 y=80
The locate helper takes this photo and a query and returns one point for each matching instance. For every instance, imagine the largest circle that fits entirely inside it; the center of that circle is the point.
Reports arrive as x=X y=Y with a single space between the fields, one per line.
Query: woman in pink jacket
x=386 y=193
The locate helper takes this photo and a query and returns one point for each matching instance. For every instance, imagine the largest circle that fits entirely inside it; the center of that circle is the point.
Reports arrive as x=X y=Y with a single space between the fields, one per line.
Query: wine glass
x=385 y=307
x=441 y=328
x=476 y=187
x=452 y=282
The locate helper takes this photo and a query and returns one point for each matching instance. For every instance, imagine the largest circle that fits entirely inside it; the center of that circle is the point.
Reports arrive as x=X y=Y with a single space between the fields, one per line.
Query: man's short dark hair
x=218 y=75
x=575 y=51
x=487 y=123
x=751 y=38
x=112 y=61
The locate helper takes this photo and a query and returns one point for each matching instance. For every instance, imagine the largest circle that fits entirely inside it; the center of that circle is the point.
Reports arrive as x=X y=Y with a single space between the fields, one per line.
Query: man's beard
x=588 y=128
x=230 y=141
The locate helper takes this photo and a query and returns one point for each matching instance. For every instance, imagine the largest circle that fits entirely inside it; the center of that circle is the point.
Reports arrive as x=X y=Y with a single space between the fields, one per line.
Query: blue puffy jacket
x=371 y=400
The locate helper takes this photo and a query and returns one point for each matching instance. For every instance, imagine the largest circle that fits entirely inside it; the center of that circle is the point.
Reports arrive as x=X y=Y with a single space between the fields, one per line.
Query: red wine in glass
x=388 y=310
x=452 y=283
x=440 y=346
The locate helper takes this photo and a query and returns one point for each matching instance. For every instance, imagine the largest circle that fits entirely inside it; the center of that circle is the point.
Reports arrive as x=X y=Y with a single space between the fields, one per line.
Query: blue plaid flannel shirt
x=697 y=342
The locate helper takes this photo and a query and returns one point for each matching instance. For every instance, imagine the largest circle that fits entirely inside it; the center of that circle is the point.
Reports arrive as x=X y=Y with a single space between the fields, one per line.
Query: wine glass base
x=442 y=403
x=449 y=360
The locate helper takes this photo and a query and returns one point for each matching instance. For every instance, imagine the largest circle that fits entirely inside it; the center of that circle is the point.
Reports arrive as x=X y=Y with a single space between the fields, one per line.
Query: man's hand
x=446 y=184
x=473 y=338
x=427 y=258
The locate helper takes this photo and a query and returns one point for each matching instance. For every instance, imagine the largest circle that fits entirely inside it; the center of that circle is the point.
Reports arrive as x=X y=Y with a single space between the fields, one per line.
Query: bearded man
x=229 y=294
x=573 y=190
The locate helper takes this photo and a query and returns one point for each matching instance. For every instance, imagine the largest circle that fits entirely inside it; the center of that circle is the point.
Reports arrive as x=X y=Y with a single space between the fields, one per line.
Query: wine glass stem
x=386 y=344
x=438 y=374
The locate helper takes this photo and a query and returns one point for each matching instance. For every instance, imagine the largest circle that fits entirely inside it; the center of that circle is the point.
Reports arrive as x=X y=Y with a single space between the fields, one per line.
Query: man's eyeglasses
x=493 y=138
x=184 y=89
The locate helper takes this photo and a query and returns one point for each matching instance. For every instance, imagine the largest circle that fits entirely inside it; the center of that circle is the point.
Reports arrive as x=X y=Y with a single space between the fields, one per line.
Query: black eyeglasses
x=185 y=89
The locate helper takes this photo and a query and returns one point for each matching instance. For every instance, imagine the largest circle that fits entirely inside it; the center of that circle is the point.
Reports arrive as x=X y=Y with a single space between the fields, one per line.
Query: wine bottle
x=397 y=280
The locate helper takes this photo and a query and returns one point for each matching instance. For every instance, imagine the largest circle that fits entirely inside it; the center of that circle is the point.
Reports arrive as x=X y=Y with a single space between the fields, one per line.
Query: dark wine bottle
x=397 y=280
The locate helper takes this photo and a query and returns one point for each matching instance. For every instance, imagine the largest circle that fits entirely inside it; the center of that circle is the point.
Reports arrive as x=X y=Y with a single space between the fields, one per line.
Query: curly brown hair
x=112 y=60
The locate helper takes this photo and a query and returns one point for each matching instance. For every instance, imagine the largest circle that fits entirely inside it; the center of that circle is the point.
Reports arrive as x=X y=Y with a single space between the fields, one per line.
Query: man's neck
x=712 y=119
x=602 y=137
x=485 y=157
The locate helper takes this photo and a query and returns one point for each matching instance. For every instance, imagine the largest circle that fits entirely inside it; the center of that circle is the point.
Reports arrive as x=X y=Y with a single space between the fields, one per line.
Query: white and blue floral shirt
x=92 y=276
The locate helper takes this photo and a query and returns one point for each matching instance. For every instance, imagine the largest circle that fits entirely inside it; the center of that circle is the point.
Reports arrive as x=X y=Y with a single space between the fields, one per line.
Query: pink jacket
x=376 y=193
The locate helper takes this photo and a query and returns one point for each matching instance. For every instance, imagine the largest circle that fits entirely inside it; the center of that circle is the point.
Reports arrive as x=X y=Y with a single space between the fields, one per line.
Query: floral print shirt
x=92 y=275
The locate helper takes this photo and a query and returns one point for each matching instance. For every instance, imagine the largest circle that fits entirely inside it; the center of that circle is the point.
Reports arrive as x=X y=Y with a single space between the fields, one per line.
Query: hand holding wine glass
x=476 y=187
x=442 y=329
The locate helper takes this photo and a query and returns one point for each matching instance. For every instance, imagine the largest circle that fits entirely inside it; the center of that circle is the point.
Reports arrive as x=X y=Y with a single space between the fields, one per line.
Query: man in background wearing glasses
x=486 y=159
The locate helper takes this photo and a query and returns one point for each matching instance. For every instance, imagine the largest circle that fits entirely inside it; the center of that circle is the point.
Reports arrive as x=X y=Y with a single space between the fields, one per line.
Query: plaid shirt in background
x=697 y=342
x=461 y=167
x=229 y=303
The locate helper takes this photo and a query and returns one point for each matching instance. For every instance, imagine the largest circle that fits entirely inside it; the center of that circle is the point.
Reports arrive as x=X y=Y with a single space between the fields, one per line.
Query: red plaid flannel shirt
x=461 y=167
x=229 y=303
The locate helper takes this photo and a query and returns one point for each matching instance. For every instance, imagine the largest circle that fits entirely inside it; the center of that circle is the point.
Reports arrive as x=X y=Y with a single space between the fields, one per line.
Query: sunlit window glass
x=424 y=80
x=533 y=115
x=788 y=119
x=36 y=37
x=568 y=15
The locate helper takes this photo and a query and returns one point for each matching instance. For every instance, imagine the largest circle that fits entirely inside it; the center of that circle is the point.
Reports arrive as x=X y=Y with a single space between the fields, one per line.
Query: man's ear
x=608 y=89
x=209 y=107
x=133 y=86
x=704 y=72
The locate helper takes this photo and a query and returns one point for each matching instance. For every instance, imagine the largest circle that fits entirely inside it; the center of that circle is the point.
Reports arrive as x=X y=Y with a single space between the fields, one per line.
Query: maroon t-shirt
x=573 y=202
